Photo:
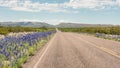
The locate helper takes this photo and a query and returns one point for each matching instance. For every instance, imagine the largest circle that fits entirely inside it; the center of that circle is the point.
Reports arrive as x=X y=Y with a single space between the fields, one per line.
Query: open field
x=114 y=30
x=111 y=33
x=6 y=30
x=65 y=50
x=17 y=47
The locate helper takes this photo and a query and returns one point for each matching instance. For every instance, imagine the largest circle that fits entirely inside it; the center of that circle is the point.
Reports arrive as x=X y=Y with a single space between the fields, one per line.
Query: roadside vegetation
x=6 y=30
x=111 y=33
x=115 y=30
x=16 y=50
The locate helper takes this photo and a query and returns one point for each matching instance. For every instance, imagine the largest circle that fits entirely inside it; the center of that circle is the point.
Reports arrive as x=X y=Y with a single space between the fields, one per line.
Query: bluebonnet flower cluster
x=109 y=36
x=12 y=48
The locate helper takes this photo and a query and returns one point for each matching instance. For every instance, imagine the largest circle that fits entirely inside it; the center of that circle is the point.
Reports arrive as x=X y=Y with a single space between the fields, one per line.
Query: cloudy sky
x=55 y=11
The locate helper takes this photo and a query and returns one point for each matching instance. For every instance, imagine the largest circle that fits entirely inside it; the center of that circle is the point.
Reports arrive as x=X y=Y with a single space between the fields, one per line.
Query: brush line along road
x=72 y=50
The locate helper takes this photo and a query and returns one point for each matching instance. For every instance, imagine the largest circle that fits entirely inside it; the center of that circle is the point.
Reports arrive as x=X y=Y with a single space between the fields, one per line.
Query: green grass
x=6 y=30
x=114 y=30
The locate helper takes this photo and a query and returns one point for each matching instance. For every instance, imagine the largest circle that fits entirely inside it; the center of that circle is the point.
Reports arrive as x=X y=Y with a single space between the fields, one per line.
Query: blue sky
x=56 y=11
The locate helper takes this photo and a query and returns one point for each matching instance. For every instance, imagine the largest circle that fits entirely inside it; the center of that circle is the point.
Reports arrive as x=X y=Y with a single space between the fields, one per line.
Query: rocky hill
x=26 y=24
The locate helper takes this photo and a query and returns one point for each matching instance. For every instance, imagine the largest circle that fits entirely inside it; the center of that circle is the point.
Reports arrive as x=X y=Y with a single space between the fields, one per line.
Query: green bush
x=107 y=30
x=6 y=30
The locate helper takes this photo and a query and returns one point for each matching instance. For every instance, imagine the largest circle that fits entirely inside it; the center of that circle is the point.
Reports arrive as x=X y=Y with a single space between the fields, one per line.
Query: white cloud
x=28 y=5
x=91 y=4
x=50 y=21
x=28 y=20
x=118 y=2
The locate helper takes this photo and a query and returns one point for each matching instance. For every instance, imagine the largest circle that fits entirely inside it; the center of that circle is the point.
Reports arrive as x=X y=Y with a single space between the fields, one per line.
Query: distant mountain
x=26 y=24
x=78 y=25
x=43 y=24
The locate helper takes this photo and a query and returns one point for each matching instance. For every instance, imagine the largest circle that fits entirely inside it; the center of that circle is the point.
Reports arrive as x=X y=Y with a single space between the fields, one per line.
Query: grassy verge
x=31 y=50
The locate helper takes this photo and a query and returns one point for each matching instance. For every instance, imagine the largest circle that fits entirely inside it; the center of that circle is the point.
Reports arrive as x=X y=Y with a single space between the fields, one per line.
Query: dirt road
x=72 y=50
